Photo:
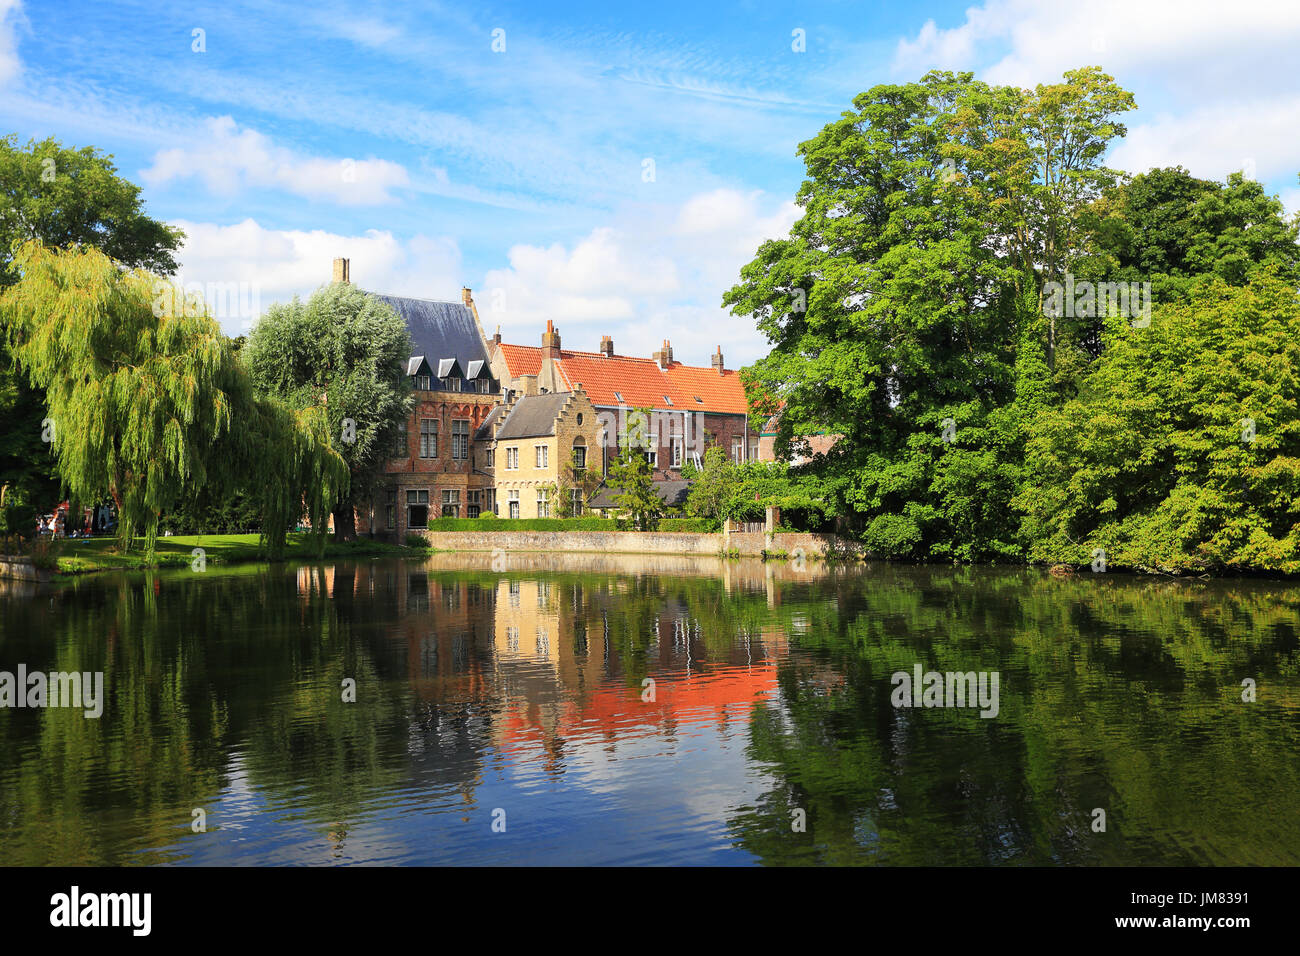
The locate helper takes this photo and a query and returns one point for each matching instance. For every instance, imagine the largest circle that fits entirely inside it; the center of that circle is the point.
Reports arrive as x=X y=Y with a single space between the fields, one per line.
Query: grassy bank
x=103 y=554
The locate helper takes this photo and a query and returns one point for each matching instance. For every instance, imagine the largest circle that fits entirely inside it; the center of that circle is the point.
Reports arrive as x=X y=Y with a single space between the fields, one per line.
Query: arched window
x=579 y=453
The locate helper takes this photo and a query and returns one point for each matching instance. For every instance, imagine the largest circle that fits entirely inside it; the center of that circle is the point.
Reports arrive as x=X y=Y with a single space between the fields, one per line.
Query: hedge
x=523 y=524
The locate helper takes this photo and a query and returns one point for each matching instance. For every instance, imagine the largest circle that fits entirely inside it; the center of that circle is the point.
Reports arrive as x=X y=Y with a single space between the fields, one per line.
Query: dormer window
x=618 y=397
x=422 y=382
x=668 y=400
x=452 y=383
x=700 y=400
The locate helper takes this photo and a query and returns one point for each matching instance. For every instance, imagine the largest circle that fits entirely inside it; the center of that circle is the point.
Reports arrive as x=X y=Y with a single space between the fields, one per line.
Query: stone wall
x=21 y=569
x=641 y=542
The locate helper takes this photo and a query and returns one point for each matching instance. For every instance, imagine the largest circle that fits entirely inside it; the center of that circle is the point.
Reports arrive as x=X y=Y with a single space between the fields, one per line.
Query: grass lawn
x=103 y=554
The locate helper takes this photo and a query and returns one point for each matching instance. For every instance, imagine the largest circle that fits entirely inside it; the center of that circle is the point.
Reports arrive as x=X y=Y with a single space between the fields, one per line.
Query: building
x=432 y=472
x=539 y=446
x=692 y=408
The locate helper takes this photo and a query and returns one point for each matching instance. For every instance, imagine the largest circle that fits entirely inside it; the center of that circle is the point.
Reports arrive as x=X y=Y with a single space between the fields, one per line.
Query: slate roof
x=533 y=416
x=484 y=430
x=440 y=330
x=640 y=382
x=673 y=493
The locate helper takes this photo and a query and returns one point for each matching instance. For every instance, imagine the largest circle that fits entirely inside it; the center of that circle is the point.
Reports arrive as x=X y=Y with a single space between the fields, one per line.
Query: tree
x=713 y=486
x=147 y=402
x=62 y=197
x=345 y=352
x=630 y=473
x=1182 y=450
x=905 y=310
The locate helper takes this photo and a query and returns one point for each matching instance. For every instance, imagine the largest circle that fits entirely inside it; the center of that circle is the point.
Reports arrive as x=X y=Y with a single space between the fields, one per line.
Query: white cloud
x=274 y=265
x=11 y=12
x=1191 y=39
x=642 y=279
x=1212 y=142
x=229 y=159
x=1214 y=72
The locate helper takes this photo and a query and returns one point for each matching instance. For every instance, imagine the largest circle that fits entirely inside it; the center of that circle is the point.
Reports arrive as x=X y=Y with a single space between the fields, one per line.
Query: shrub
x=417 y=541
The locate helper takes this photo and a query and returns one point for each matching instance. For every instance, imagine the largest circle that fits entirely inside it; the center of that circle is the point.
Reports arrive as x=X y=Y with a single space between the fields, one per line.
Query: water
x=518 y=696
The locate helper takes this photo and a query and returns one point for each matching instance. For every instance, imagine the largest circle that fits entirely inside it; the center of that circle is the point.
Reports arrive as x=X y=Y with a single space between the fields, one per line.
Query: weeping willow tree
x=148 y=403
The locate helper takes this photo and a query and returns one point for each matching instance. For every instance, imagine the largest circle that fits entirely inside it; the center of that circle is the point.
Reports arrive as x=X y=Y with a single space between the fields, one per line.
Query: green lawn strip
x=104 y=554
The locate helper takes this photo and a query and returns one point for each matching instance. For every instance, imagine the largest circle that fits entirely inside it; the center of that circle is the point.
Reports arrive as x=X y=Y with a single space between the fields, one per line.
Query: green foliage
x=62 y=197
x=636 y=496
x=906 y=315
x=149 y=404
x=1182 y=451
x=343 y=352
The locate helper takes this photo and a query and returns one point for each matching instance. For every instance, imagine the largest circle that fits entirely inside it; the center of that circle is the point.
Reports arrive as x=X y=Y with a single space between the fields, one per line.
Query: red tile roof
x=636 y=382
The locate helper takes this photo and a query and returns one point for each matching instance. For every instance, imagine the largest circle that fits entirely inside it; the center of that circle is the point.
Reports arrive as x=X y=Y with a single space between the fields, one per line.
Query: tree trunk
x=345 y=522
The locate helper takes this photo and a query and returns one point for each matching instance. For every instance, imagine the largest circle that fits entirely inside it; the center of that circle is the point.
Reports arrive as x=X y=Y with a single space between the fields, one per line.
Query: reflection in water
x=650 y=710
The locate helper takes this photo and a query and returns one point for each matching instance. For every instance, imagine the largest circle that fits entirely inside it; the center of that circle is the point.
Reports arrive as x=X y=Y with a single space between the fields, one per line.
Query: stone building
x=537 y=447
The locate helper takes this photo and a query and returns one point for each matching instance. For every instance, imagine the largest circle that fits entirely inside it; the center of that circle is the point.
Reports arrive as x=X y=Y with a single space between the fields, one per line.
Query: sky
x=609 y=167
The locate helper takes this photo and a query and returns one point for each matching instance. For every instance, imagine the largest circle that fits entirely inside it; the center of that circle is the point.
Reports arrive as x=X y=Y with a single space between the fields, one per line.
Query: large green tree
x=62 y=197
x=345 y=352
x=148 y=403
x=1182 y=450
x=905 y=310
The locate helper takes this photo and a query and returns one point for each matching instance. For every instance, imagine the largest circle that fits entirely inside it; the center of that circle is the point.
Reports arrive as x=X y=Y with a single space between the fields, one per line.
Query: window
x=543 y=503
x=675 y=445
x=491 y=456
x=474 y=507
x=699 y=400
x=460 y=439
x=514 y=504
x=618 y=397
x=390 y=508
x=652 y=456
x=451 y=502
x=422 y=383
x=400 y=448
x=512 y=458
x=668 y=400
x=576 y=502
x=753 y=451
x=579 y=418
x=737 y=449
x=543 y=454
x=451 y=383
x=417 y=508
x=579 y=455
x=428 y=438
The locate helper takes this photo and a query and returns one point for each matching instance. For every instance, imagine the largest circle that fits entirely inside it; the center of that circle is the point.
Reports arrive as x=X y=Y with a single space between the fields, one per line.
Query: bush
x=691 y=525
x=417 y=541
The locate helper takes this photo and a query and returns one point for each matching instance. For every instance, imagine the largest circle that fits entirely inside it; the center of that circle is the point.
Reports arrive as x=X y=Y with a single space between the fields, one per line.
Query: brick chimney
x=496 y=339
x=550 y=341
x=717 y=360
x=466 y=296
x=606 y=346
x=341 y=271
x=665 y=355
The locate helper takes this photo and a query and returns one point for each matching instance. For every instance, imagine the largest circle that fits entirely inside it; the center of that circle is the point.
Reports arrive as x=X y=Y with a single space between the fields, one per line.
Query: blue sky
x=397 y=136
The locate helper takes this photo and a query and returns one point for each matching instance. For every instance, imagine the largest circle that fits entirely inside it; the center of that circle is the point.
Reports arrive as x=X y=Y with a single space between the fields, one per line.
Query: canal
x=535 y=709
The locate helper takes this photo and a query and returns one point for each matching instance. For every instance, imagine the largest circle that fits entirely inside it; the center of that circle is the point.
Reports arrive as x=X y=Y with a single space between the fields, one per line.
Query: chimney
x=496 y=339
x=664 y=356
x=466 y=296
x=550 y=341
x=606 y=346
x=341 y=270
x=717 y=360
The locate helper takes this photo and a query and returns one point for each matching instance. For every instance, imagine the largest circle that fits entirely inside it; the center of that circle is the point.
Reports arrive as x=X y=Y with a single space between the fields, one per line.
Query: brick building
x=692 y=408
